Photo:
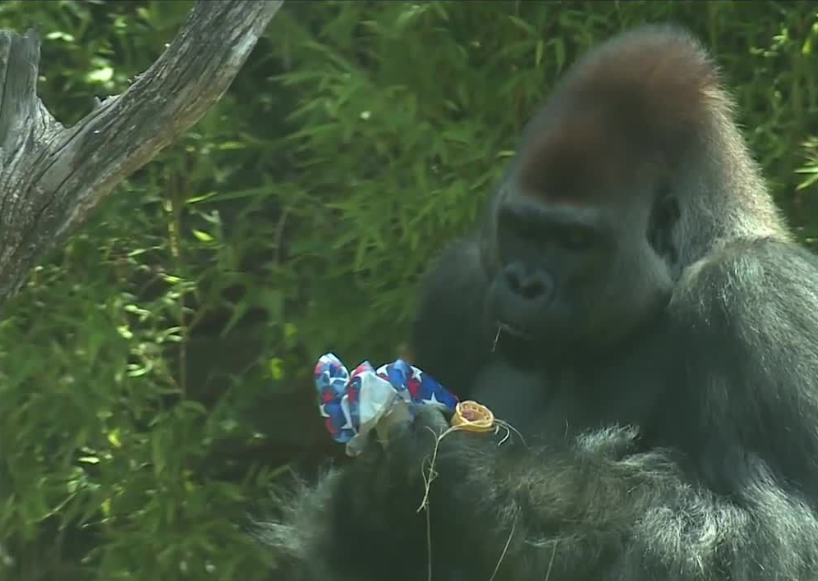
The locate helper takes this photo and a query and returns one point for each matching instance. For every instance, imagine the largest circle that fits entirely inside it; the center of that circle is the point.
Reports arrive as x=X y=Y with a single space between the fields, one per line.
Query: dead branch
x=52 y=177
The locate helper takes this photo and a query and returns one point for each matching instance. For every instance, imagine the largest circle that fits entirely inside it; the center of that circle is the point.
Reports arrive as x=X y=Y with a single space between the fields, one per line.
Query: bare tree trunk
x=52 y=178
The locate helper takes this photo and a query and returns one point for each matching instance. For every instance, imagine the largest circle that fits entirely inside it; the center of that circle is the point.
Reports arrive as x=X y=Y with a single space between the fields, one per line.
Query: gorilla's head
x=584 y=240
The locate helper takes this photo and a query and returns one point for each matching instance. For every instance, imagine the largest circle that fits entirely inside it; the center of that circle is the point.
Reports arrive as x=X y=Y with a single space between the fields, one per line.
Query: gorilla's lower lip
x=509 y=329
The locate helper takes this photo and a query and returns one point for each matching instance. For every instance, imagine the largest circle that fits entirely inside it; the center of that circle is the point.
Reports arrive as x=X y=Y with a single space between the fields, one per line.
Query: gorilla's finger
x=431 y=418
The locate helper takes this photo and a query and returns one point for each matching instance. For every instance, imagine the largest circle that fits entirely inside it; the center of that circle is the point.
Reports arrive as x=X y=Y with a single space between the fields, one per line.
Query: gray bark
x=52 y=178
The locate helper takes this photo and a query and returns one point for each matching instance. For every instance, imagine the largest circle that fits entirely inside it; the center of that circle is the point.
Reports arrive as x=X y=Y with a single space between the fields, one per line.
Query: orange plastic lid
x=473 y=417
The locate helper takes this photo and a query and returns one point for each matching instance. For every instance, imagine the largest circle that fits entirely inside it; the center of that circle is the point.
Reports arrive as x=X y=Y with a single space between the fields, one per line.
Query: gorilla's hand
x=388 y=500
x=416 y=454
x=428 y=453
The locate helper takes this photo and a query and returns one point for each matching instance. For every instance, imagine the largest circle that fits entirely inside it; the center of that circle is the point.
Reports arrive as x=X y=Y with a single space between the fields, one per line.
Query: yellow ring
x=473 y=417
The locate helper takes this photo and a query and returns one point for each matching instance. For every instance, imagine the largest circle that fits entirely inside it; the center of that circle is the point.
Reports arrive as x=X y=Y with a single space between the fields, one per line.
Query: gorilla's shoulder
x=749 y=273
x=753 y=305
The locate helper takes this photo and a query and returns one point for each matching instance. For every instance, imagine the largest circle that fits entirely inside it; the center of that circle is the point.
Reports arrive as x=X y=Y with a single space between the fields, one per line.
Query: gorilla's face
x=571 y=277
x=579 y=245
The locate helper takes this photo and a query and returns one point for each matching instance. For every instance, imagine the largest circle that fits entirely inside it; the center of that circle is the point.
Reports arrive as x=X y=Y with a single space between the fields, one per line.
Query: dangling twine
x=551 y=563
x=428 y=477
x=464 y=425
x=505 y=549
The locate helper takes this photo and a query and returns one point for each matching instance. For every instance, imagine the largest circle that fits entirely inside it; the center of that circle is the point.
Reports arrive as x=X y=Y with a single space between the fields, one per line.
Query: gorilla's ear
x=664 y=216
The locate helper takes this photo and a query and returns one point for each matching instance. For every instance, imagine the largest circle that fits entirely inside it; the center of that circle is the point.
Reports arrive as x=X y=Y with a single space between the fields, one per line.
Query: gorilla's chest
x=546 y=404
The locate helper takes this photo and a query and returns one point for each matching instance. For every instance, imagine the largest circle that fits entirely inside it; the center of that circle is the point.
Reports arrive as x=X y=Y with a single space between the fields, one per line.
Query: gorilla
x=636 y=308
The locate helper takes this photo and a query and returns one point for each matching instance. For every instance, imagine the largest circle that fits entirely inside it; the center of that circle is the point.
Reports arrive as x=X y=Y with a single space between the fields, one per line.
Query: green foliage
x=155 y=373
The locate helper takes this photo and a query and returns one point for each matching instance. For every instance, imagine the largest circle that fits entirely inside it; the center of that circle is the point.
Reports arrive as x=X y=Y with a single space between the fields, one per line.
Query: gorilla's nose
x=533 y=285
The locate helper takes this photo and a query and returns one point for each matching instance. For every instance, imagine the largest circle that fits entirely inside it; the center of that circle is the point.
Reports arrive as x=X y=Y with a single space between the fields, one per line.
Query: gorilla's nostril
x=532 y=288
x=530 y=285
x=526 y=288
x=514 y=279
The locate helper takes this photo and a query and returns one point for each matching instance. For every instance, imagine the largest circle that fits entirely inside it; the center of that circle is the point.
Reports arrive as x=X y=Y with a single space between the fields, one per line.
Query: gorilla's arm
x=731 y=506
x=449 y=336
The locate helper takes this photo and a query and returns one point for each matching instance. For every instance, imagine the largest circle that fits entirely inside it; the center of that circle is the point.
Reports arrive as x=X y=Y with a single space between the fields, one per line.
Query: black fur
x=683 y=449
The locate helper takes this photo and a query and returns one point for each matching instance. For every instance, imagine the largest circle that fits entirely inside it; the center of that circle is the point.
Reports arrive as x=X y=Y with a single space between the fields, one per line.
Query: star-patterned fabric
x=352 y=403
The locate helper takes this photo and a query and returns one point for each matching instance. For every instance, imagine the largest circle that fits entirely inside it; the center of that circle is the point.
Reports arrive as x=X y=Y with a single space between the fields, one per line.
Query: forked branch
x=52 y=178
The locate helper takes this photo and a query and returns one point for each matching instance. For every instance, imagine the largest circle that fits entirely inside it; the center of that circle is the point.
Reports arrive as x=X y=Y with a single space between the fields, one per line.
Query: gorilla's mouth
x=517 y=345
x=504 y=328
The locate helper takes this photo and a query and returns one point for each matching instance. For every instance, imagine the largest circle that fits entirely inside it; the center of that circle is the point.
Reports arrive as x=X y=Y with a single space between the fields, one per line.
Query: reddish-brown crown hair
x=641 y=97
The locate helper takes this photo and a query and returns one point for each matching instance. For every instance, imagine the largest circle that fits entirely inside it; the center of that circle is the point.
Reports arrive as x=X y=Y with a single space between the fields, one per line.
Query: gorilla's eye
x=576 y=239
